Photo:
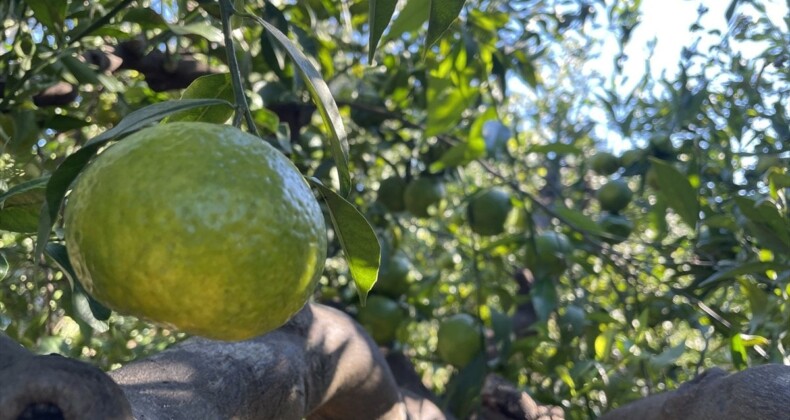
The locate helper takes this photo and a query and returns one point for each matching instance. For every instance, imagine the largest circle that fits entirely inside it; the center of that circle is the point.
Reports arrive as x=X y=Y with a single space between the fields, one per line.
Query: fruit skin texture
x=394 y=276
x=197 y=226
x=488 y=211
x=459 y=340
x=614 y=195
x=381 y=316
x=421 y=194
x=551 y=249
x=604 y=163
x=619 y=227
x=390 y=193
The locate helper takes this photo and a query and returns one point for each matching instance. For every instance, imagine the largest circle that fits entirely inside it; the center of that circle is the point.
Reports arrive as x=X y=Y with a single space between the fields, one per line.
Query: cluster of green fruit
x=416 y=196
x=613 y=197
x=459 y=338
x=487 y=210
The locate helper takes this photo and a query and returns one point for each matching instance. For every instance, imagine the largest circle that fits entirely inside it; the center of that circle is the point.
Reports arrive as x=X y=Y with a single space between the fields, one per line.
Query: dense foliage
x=475 y=153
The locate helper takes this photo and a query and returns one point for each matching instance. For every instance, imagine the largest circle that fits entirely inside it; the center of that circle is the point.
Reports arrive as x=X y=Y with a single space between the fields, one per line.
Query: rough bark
x=761 y=392
x=322 y=365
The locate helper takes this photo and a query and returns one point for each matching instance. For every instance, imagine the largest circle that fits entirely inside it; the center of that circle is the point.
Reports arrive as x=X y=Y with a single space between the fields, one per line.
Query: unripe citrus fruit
x=422 y=193
x=614 y=195
x=394 y=276
x=552 y=249
x=488 y=211
x=459 y=340
x=381 y=316
x=390 y=193
x=196 y=226
x=604 y=163
x=632 y=157
x=617 y=226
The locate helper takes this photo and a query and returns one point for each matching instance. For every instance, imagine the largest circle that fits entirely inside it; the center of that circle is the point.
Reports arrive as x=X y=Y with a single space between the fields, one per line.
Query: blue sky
x=669 y=20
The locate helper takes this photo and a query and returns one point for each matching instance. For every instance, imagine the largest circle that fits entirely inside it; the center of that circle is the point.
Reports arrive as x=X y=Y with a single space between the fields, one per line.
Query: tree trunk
x=321 y=365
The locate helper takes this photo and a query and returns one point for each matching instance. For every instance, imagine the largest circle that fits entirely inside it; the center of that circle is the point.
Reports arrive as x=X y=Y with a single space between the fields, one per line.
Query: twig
x=226 y=10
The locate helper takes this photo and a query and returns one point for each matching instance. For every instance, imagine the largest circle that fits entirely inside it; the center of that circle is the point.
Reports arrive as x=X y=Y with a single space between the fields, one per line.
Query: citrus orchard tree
x=491 y=204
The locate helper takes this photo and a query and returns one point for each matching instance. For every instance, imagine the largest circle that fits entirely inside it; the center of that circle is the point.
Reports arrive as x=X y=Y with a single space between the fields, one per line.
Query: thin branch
x=226 y=10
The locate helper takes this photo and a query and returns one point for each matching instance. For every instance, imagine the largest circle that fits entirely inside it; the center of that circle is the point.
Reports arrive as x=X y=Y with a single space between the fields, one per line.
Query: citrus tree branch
x=242 y=107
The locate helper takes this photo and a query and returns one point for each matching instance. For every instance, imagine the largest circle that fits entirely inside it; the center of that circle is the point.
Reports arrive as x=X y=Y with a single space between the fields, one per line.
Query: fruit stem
x=226 y=10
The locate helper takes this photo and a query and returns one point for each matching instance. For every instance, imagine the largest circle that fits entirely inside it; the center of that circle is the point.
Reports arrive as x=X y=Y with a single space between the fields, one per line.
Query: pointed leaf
x=731 y=10
x=766 y=223
x=558 y=148
x=21 y=206
x=744 y=268
x=677 y=192
x=64 y=175
x=381 y=12
x=205 y=30
x=87 y=308
x=443 y=13
x=544 y=298
x=323 y=100
x=359 y=241
x=51 y=14
x=214 y=86
x=4 y=267
x=668 y=356
x=738 y=352
x=579 y=220
x=413 y=15
x=83 y=73
x=459 y=155
x=446 y=104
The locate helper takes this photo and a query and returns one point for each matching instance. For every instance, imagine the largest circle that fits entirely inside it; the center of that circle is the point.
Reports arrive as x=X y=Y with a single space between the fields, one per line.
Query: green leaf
x=4 y=267
x=658 y=219
x=558 y=148
x=741 y=269
x=460 y=154
x=464 y=387
x=544 y=298
x=214 y=86
x=738 y=352
x=61 y=123
x=67 y=171
x=205 y=30
x=323 y=100
x=87 y=308
x=446 y=104
x=731 y=10
x=381 y=12
x=758 y=302
x=82 y=72
x=603 y=345
x=413 y=15
x=667 y=357
x=443 y=13
x=356 y=236
x=50 y=13
x=578 y=219
x=21 y=206
x=677 y=192
x=766 y=223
